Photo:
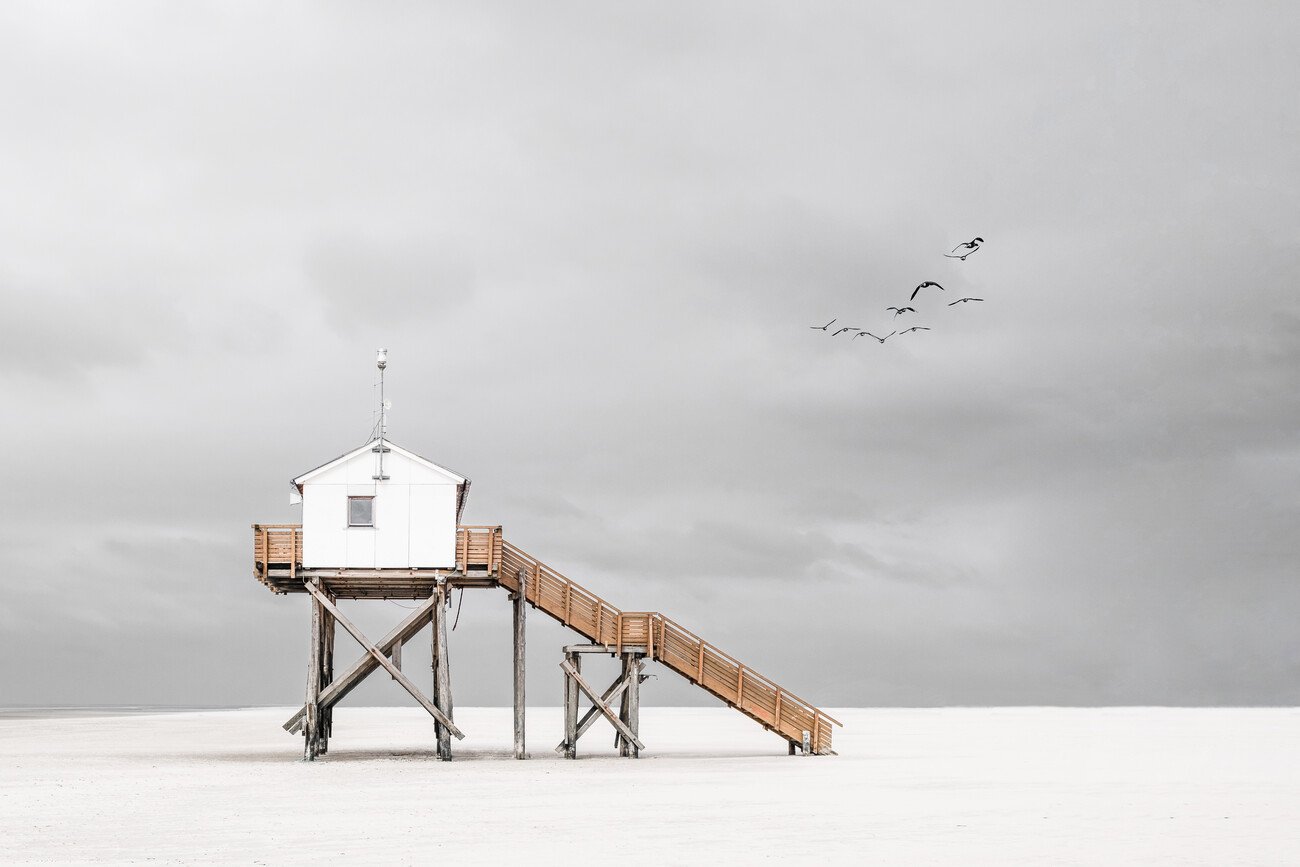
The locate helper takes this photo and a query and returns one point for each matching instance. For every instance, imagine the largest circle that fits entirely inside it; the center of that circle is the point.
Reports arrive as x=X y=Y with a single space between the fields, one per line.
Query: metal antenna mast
x=381 y=360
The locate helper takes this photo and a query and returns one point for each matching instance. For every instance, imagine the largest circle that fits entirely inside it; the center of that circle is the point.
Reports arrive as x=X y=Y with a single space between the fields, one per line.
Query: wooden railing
x=477 y=547
x=276 y=544
x=671 y=644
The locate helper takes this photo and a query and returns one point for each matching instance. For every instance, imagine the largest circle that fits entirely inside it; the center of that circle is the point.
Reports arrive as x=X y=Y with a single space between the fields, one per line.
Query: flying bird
x=961 y=300
x=970 y=247
x=842 y=330
x=881 y=339
x=823 y=327
x=916 y=328
x=863 y=334
x=898 y=310
x=924 y=285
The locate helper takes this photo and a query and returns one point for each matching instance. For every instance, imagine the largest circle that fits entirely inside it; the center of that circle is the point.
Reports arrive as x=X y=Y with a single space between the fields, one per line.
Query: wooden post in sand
x=311 y=733
x=520 y=613
x=630 y=705
x=442 y=672
x=325 y=715
x=571 y=708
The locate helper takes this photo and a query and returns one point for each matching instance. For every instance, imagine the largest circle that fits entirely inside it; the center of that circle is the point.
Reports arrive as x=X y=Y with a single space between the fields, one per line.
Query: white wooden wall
x=415 y=516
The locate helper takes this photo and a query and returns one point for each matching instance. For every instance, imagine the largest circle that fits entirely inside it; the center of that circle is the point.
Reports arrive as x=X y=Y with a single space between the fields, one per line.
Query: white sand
x=987 y=786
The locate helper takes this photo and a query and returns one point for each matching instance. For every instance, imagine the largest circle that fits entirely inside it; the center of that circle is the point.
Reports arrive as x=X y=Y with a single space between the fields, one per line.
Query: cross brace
x=615 y=690
x=359 y=670
x=379 y=657
x=600 y=703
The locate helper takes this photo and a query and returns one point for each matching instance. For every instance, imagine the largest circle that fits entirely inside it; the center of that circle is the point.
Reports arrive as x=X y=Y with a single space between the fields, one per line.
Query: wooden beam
x=326 y=714
x=574 y=664
x=379 y=657
x=364 y=666
x=442 y=676
x=629 y=709
x=312 y=732
x=604 y=708
x=520 y=613
x=634 y=705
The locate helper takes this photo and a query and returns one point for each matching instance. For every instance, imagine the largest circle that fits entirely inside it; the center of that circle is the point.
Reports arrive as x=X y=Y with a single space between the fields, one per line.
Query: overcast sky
x=592 y=237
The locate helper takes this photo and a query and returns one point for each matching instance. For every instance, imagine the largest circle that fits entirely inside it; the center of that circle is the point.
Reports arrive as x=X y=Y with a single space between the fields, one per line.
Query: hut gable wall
x=414 y=514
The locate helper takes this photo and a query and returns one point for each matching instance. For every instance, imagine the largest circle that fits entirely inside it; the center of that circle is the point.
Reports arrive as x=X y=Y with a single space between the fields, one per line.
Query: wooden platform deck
x=277 y=563
x=484 y=558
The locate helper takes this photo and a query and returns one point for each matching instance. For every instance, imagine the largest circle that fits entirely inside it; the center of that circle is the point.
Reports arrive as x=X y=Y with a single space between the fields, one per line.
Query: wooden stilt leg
x=520 y=612
x=311 y=733
x=792 y=748
x=620 y=743
x=326 y=714
x=442 y=677
x=571 y=708
x=633 y=694
x=433 y=658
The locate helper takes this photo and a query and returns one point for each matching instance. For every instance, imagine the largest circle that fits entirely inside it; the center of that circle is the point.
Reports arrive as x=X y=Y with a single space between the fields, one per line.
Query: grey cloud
x=362 y=281
x=593 y=240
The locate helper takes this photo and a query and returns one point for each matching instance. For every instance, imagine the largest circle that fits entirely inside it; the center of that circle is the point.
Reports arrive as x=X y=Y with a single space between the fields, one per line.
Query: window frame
x=369 y=526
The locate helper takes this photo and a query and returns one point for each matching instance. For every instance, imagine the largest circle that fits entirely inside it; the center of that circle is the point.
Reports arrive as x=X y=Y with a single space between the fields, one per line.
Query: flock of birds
x=965 y=249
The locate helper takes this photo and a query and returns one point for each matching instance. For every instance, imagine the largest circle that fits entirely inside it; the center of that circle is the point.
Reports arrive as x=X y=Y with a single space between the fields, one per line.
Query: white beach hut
x=380 y=507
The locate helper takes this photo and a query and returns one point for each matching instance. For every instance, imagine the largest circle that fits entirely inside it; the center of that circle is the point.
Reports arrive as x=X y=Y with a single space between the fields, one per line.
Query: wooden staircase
x=664 y=640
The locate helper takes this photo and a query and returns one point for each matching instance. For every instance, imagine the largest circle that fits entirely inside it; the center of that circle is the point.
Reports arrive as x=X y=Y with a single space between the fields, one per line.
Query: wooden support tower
x=626 y=721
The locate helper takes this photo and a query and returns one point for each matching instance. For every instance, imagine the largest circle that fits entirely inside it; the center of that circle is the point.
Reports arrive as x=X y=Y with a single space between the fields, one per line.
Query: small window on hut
x=361 y=511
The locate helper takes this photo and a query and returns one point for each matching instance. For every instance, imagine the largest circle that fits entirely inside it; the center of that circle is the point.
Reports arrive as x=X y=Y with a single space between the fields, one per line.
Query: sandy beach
x=947 y=786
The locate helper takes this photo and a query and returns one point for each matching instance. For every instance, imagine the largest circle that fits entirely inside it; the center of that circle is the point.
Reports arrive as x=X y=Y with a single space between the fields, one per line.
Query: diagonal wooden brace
x=362 y=668
x=615 y=690
x=383 y=660
x=598 y=703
